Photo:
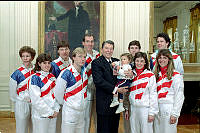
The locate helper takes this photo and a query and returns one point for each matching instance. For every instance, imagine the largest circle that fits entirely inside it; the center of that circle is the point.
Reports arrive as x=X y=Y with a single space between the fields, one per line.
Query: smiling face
x=139 y=62
x=161 y=43
x=163 y=61
x=26 y=58
x=107 y=50
x=45 y=66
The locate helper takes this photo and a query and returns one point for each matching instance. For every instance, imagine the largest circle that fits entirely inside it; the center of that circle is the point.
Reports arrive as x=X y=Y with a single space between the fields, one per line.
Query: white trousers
x=127 y=127
x=72 y=120
x=23 y=117
x=139 y=120
x=44 y=125
x=162 y=120
x=89 y=114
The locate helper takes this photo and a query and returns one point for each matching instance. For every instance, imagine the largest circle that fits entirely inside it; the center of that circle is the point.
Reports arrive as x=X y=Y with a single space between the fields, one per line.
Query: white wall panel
x=18 y=27
x=127 y=21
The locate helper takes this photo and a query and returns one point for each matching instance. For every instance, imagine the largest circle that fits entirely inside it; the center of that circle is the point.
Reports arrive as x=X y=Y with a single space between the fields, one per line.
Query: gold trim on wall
x=41 y=25
x=102 y=23
x=151 y=28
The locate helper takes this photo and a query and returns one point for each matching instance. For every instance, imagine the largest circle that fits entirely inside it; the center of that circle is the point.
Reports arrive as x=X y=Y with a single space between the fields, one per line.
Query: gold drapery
x=170 y=22
x=194 y=20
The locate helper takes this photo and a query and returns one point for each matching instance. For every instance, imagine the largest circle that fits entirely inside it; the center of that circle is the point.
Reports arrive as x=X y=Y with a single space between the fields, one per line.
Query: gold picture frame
x=41 y=26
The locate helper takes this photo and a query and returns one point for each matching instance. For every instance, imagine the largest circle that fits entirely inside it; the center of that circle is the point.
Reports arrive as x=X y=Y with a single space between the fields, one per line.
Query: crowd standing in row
x=63 y=95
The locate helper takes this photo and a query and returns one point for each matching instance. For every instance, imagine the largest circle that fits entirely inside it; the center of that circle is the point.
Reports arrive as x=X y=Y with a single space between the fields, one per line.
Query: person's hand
x=122 y=90
x=172 y=119
x=52 y=18
x=126 y=115
x=115 y=72
x=129 y=73
x=150 y=118
x=55 y=114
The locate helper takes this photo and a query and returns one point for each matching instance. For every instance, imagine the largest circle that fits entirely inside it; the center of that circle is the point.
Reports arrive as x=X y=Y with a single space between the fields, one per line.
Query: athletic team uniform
x=176 y=58
x=91 y=92
x=41 y=89
x=58 y=65
x=170 y=100
x=19 y=94
x=143 y=101
x=71 y=91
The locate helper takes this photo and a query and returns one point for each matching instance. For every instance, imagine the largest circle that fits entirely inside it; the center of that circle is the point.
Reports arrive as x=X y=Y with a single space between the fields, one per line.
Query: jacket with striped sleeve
x=71 y=88
x=143 y=91
x=18 y=84
x=91 y=87
x=41 y=89
x=171 y=91
x=58 y=65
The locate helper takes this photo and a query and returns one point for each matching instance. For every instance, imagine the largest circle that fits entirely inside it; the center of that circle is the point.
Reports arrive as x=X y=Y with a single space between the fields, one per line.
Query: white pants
x=44 y=125
x=127 y=128
x=72 y=120
x=23 y=117
x=89 y=114
x=139 y=120
x=59 y=121
x=162 y=120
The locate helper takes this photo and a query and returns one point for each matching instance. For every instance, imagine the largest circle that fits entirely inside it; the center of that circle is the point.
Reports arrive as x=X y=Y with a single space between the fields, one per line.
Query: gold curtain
x=194 y=20
x=170 y=23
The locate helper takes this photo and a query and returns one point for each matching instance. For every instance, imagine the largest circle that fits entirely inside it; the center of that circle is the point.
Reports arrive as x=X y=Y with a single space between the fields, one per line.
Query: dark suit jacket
x=105 y=83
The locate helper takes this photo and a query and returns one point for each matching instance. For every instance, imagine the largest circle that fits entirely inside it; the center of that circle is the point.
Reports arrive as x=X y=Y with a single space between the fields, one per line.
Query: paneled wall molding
x=18 y=27
x=127 y=21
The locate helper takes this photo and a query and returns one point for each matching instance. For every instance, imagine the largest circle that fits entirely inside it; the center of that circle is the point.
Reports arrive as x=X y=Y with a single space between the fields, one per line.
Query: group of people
x=63 y=95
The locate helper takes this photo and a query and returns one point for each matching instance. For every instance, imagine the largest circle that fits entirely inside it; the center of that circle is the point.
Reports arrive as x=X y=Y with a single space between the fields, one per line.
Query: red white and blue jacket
x=143 y=91
x=91 y=87
x=41 y=90
x=171 y=91
x=18 y=84
x=71 y=88
x=58 y=65
x=176 y=58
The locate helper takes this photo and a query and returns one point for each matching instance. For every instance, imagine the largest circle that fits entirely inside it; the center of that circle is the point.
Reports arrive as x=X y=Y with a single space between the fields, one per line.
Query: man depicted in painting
x=78 y=25
x=88 y=44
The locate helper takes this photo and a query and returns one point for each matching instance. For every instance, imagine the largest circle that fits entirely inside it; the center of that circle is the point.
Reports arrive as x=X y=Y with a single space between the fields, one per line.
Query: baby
x=123 y=80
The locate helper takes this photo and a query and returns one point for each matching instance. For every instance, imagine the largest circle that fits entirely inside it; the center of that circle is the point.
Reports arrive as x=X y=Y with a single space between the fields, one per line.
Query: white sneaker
x=114 y=103
x=119 y=109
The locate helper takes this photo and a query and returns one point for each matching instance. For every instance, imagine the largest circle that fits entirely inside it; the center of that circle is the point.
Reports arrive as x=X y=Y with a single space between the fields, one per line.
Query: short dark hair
x=135 y=42
x=27 y=49
x=42 y=58
x=128 y=55
x=62 y=44
x=166 y=37
x=88 y=34
x=109 y=42
x=142 y=55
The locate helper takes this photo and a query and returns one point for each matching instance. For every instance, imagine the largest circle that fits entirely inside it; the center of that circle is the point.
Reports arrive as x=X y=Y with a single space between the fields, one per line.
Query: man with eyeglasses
x=88 y=44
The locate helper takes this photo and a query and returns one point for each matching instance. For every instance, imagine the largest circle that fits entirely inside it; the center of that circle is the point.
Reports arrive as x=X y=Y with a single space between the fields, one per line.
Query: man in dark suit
x=104 y=80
